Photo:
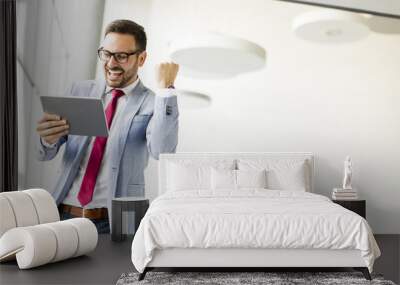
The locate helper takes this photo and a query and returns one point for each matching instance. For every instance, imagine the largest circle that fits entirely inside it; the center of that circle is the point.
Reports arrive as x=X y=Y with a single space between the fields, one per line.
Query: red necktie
x=92 y=169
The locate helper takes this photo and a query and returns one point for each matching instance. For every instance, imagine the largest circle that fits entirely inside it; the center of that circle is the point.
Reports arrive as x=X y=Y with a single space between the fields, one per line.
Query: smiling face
x=120 y=75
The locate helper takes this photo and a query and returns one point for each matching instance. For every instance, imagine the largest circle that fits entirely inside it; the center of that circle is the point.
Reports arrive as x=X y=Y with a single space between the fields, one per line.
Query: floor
x=389 y=262
x=110 y=260
x=103 y=266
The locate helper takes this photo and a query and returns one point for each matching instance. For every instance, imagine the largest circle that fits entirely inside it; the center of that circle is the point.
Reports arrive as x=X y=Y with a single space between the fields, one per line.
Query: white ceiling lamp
x=331 y=26
x=216 y=56
x=381 y=8
x=191 y=100
x=383 y=25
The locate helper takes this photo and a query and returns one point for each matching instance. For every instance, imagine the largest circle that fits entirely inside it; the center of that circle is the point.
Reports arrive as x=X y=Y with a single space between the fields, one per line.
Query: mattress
x=250 y=218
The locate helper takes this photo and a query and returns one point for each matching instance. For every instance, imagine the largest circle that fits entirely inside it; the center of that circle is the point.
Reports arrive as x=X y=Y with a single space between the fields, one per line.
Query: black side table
x=357 y=206
x=138 y=205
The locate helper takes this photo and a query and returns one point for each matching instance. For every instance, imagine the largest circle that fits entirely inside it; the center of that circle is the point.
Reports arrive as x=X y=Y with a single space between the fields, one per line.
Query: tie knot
x=116 y=93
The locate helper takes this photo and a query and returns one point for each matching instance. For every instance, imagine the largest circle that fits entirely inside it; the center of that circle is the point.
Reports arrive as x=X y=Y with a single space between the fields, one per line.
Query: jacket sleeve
x=162 y=130
x=45 y=152
x=48 y=153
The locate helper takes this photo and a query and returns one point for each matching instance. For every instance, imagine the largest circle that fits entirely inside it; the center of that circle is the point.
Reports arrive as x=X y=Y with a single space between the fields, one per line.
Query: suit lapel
x=134 y=101
x=99 y=89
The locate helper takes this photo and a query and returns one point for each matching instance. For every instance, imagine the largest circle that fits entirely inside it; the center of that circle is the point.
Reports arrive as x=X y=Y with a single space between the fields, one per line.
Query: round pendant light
x=216 y=56
x=189 y=99
x=330 y=26
x=383 y=25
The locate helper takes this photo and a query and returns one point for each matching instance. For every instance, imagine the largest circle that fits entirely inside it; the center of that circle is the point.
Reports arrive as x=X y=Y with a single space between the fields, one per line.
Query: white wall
x=57 y=45
x=332 y=100
x=25 y=90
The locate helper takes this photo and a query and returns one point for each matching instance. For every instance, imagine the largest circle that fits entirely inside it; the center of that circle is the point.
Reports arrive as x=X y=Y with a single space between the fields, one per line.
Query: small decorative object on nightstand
x=357 y=206
x=348 y=173
x=347 y=192
x=123 y=206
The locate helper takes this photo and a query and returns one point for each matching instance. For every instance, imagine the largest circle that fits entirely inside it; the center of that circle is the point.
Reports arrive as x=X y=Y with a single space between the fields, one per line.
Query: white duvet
x=251 y=218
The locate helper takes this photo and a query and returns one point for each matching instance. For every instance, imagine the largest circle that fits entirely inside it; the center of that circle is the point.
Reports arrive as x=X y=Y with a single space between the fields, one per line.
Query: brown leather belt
x=97 y=213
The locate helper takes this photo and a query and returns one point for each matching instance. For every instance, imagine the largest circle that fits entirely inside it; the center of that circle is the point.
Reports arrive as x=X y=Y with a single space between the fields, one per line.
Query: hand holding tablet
x=51 y=128
x=71 y=115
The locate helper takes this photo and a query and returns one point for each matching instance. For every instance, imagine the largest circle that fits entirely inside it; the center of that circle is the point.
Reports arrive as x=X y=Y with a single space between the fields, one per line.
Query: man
x=96 y=169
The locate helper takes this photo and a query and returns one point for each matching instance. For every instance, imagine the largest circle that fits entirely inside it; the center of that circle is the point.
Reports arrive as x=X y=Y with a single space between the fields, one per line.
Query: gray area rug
x=269 y=278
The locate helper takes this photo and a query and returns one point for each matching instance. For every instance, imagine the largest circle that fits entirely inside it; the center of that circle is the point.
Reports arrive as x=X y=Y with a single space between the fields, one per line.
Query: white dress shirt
x=101 y=189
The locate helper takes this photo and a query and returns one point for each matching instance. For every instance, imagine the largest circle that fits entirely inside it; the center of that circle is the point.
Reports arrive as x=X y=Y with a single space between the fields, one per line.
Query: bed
x=247 y=210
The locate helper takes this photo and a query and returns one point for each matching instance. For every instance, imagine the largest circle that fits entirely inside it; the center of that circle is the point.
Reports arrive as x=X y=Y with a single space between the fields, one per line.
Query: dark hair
x=130 y=28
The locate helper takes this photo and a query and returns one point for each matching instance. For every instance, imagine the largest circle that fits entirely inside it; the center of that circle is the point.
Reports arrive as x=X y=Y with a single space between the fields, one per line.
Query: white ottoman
x=31 y=230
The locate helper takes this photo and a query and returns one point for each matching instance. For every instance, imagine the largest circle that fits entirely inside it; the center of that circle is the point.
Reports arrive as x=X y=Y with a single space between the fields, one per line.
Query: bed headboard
x=167 y=157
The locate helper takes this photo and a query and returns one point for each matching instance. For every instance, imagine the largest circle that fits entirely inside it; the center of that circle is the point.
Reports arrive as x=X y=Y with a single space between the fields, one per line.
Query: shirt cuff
x=44 y=143
x=166 y=92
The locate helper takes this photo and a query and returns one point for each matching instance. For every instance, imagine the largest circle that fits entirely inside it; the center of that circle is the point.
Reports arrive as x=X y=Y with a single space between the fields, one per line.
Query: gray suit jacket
x=149 y=126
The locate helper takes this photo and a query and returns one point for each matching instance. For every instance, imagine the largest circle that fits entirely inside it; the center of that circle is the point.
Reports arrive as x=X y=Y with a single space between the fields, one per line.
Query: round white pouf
x=45 y=206
x=26 y=208
x=87 y=234
x=32 y=246
x=24 y=211
x=40 y=244
x=7 y=218
x=67 y=239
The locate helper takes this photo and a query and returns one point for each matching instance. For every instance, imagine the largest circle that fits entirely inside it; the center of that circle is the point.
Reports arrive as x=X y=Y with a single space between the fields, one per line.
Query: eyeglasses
x=120 y=57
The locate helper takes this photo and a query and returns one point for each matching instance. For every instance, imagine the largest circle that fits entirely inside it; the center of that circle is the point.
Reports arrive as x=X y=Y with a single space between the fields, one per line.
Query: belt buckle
x=83 y=213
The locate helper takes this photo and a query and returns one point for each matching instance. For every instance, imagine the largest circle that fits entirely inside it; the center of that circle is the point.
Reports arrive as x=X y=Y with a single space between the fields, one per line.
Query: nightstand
x=122 y=207
x=357 y=206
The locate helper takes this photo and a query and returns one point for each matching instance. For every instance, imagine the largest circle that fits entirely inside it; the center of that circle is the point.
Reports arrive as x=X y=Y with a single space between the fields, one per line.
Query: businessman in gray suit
x=96 y=169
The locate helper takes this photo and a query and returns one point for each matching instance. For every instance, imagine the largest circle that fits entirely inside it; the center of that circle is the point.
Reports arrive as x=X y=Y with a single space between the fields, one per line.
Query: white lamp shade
x=192 y=100
x=330 y=26
x=216 y=56
x=384 y=25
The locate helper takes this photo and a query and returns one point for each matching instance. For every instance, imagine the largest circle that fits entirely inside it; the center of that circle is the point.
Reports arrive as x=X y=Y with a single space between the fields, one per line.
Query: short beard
x=126 y=78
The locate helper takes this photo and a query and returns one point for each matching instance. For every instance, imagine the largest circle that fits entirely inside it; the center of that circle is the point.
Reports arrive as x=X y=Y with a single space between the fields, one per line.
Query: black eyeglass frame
x=113 y=54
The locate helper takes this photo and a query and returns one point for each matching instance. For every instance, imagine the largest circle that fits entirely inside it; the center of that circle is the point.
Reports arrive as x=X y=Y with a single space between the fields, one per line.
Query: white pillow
x=223 y=179
x=282 y=174
x=287 y=179
x=189 y=174
x=237 y=179
x=251 y=178
x=183 y=178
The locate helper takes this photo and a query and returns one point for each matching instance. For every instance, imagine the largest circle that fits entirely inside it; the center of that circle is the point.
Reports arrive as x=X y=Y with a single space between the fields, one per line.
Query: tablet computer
x=85 y=115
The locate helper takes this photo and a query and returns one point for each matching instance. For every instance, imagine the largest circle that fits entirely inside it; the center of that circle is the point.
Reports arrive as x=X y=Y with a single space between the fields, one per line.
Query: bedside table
x=357 y=206
x=121 y=207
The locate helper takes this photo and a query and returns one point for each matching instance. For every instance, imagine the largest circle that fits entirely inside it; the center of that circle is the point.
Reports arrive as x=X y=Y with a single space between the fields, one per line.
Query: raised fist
x=166 y=74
